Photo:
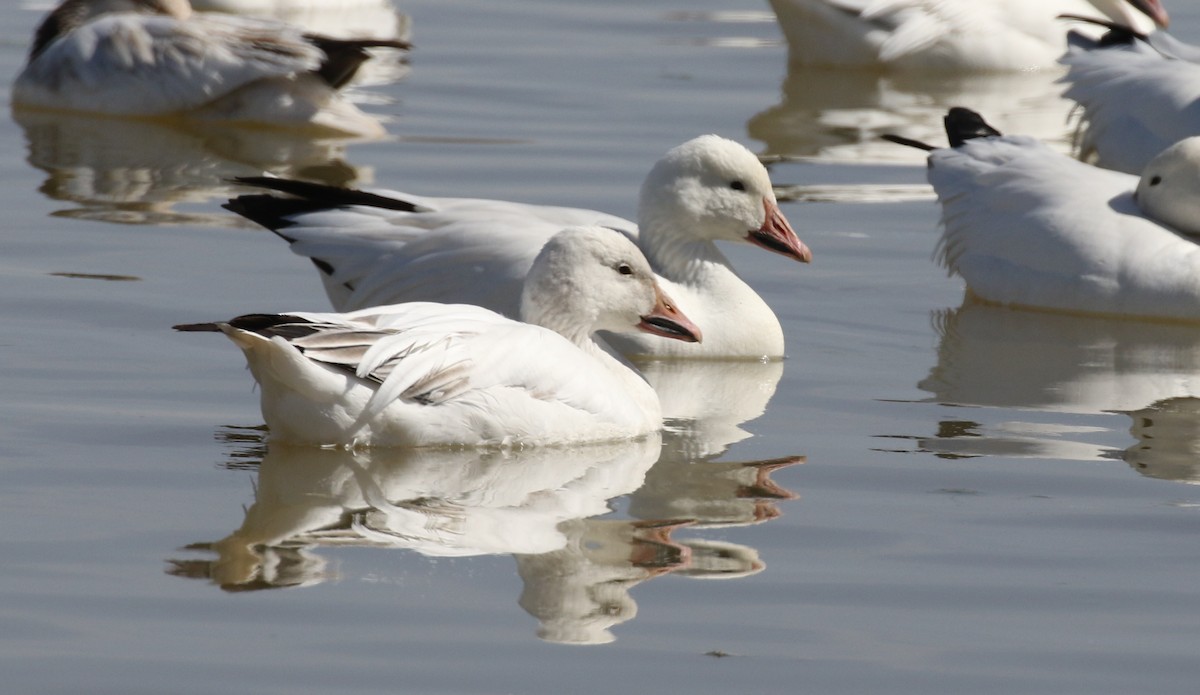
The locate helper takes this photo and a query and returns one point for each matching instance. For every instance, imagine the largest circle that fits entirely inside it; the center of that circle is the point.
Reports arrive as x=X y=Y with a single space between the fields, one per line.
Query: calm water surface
x=922 y=498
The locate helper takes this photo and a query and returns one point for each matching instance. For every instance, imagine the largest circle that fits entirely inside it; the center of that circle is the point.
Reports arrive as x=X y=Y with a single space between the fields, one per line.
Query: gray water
x=922 y=498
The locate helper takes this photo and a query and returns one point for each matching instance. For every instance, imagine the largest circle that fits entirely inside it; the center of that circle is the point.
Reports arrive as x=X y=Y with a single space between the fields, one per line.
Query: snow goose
x=156 y=58
x=944 y=35
x=1138 y=95
x=427 y=374
x=1026 y=226
x=387 y=247
x=344 y=19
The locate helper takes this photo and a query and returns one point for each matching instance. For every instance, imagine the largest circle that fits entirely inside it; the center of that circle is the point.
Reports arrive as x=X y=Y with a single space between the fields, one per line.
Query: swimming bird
x=385 y=247
x=157 y=58
x=1138 y=94
x=428 y=374
x=1029 y=227
x=944 y=35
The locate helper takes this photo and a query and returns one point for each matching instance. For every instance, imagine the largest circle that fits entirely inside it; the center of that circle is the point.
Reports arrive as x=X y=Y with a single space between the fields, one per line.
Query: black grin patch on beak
x=771 y=243
x=669 y=327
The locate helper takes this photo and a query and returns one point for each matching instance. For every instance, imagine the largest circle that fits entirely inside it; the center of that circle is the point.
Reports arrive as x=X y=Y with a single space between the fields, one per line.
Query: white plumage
x=1027 y=226
x=387 y=247
x=156 y=58
x=1137 y=97
x=426 y=374
x=944 y=35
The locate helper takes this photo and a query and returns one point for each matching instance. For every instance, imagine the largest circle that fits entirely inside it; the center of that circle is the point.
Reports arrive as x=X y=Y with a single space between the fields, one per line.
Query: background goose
x=1026 y=226
x=949 y=35
x=157 y=58
x=387 y=247
x=1138 y=96
x=425 y=374
x=344 y=19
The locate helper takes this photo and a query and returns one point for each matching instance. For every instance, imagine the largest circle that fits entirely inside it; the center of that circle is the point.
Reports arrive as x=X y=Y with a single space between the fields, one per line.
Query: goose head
x=71 y=14
x=715 y=189
x=1169 y=190
x=587 y=279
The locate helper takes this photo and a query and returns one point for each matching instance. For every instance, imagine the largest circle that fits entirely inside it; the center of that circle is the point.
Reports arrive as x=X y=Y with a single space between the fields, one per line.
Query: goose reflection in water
x=839 y=115
x=535 y=504
x=138 y=171
x=1168 y=441
x=706 y=404
x=1058 y=366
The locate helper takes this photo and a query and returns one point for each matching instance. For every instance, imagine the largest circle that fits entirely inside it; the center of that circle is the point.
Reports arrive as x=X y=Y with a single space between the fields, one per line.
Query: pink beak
x=776 y=235
x=667 y=321
x=1154 y=10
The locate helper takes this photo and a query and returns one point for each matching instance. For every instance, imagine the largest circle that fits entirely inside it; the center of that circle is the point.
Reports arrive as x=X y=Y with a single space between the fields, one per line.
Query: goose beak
x=1154 y=10
x=667 y=321
x=777 y=235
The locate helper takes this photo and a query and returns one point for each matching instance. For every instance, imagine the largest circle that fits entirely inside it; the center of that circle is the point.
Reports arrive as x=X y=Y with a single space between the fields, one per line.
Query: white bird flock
x=473 y=322
x=384 y=247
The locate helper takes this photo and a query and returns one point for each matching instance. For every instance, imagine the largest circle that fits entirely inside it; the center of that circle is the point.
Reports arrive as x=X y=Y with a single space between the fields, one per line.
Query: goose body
x=1137 y=97
x=343 y=19
x=156 y=58
x=1026 y=226
x=944 y=35
x=385 y=247
x=428 y=374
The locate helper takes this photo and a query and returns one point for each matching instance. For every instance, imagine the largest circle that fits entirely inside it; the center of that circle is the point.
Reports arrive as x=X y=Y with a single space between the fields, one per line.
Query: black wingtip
x=343 y=57
x=329 y=196
x=276 y=213
x=963 y=124
x=285 y=325
x=198 y=327
x=907 y=142
x=1117 y=34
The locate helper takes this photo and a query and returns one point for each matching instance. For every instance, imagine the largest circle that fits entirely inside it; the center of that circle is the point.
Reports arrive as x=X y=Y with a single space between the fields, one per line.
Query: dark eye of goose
x=1155 y=180
x=737 y=185
x=625 y=269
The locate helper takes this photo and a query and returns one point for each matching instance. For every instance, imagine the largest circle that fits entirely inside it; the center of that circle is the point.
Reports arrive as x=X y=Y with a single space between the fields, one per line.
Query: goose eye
x=1155 y=180
x=624 y=269
x=737 y=185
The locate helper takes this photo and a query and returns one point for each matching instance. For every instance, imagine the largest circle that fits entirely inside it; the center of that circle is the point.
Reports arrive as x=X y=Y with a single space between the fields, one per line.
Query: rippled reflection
x=1168 y=441
x=538 y=505
x=1024 y=359
x=137 y=172
x=839 y=115
x=1073 y=365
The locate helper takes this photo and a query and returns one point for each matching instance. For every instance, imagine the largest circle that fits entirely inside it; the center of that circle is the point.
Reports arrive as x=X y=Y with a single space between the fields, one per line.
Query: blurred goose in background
x=1026 y=226
x=1138 y=95
x=343 y=19
x=425 y=374
x=157 y=58
x=339 y=19
x=385 y=247
x=944 y=35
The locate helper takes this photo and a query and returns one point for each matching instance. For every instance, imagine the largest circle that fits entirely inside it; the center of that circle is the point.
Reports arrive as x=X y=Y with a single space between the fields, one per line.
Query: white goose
x=426 y=374
x=387 y=247
x=1138 y=95
x=1026 y=226
x=156 y=58
x=944 y=35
